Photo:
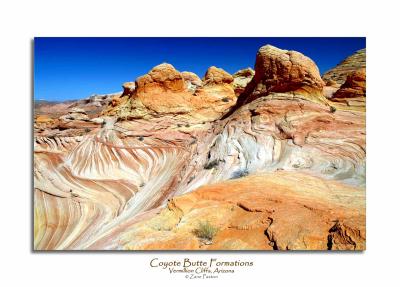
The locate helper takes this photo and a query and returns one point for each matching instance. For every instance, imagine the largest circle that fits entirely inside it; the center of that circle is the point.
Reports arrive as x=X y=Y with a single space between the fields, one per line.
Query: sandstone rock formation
x=352 y=63
x=355 y=85
x=282 y=169
x=43 y=119
x=281 y=211
x=276 y=133
x=215 y=75
x=353 y=91
x=192 y=80
x=75 y=114
x=76 y=119
x=44 y=123
x=241 y=78
x=93 y=103
x=164 y=91
x=283 y=71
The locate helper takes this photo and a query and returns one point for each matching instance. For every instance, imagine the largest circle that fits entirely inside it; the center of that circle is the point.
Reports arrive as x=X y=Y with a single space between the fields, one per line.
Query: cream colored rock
x=75 y=114
x=129 y=88
x=241 y=79
x=192 y=80
x=97 y=120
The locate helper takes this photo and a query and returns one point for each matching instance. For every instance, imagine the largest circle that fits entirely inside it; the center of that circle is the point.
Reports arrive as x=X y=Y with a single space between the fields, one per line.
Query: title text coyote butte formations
x=155 y=262
x=265 y=159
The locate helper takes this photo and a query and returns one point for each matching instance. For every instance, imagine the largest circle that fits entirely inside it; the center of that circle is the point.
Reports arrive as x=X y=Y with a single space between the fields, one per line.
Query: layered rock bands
x=264 y=159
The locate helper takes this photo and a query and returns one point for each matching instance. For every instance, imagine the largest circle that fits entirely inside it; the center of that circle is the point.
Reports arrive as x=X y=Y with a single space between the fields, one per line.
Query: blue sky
x=75 y=68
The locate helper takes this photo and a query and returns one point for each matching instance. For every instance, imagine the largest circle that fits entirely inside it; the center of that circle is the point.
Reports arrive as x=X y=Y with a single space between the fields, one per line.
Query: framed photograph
x=199 y=144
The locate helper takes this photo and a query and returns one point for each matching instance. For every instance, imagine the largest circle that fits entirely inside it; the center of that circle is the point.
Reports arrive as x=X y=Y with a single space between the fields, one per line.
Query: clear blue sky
x=75 y=68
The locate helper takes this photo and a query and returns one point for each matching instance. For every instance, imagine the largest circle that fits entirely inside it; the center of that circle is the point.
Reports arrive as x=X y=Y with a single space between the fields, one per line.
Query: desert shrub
x=332 y=109
x=187 y=125
x=87 y=130
x=205 y=231
x=141 y=138
x=239 y=173
x=211 y=164
x=225 y=100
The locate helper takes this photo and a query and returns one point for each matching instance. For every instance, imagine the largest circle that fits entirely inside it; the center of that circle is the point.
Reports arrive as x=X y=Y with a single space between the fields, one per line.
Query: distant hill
x=93 y=105
x=347 y=66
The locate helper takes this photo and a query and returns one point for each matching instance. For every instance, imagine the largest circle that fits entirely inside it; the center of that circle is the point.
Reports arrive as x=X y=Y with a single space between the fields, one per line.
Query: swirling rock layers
x=283 y=168
x=108 y=178
x=276 y=133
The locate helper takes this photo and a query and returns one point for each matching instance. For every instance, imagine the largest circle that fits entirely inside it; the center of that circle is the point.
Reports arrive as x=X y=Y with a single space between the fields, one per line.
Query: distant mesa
x=92 y=105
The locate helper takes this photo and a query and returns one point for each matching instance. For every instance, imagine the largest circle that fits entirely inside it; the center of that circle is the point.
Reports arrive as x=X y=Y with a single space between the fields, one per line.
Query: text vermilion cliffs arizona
x=270 y=158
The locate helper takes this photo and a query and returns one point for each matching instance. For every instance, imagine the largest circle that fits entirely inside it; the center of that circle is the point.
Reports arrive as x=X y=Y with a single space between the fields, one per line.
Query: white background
x=20 y=21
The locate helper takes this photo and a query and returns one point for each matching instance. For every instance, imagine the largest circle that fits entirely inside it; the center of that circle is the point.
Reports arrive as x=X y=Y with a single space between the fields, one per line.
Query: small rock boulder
x=98 y=120
x=75 y=114
x=216 y=75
